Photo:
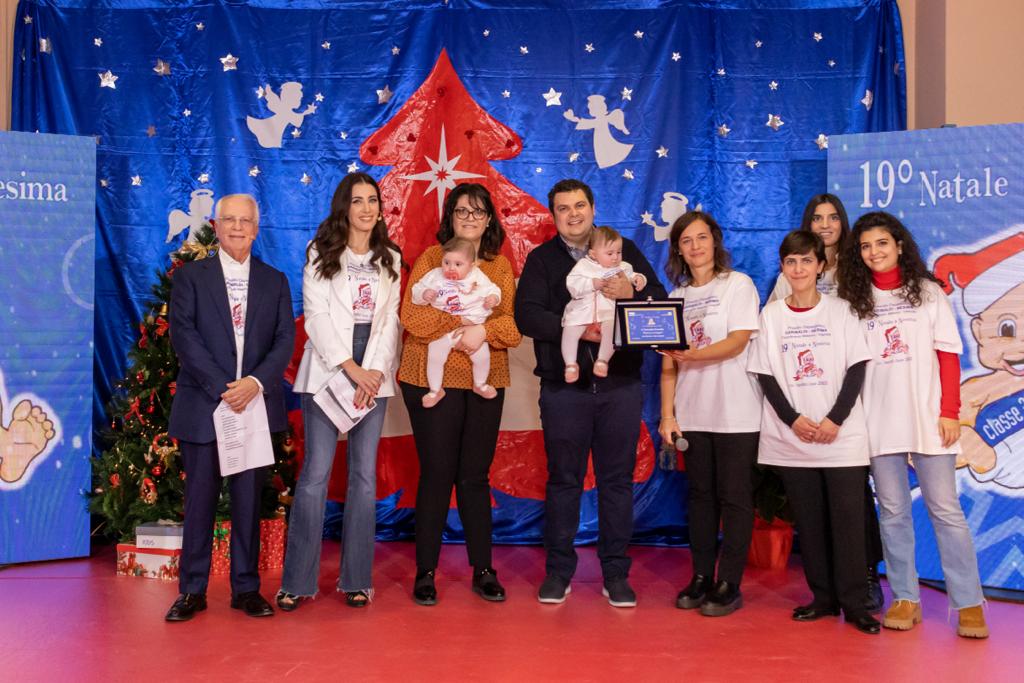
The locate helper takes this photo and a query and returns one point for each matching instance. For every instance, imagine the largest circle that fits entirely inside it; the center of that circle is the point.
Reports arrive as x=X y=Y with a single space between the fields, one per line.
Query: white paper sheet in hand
x=243 y=439
x=337 y=400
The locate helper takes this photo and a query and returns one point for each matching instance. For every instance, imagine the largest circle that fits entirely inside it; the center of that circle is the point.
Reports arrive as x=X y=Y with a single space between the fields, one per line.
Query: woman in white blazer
x=350 y=293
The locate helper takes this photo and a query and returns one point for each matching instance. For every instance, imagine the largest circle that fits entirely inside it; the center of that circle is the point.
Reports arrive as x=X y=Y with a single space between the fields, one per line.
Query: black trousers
x=872 y=532
x=455 y=442
x=202 y=490
x=828 y=503
x=720 y=469
x=578 y=423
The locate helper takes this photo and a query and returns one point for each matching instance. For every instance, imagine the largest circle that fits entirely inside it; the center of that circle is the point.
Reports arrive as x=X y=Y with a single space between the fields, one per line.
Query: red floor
x=77 y=621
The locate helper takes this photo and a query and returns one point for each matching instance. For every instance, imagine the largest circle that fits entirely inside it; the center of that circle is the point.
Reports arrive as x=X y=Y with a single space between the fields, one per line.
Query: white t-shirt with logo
x=808 y=354
x=902 y=390
x=236 y=281
x=718 y=396
x=363 y=281
x=826 y=285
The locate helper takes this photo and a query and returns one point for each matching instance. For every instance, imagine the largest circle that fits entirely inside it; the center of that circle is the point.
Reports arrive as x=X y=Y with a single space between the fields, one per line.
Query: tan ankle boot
x=972 y=623
x=902 y=615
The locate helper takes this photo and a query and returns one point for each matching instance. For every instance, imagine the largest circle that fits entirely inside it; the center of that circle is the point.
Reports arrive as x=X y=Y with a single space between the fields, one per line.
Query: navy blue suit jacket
x=204 y=341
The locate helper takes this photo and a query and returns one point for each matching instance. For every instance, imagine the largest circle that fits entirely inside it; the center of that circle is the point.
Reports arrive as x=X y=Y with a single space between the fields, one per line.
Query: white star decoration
x=627 y=174
x=384 y=96
x=28 y=19
x=326 y=45
x=108 y=80
x=162 y=68
x=552 y=98
x=104 y=182
x=627 y=94
x=45 y=46
x=254 y=171
x=646 y=217
x=868 y=99
x=639 y=34
x=821 y=141
x=200 y=26
x=204 y=177
x=506 y=94
x=573 y=156
x=720 y=72
x=831 y=63
x=305 y=179
x=817 y=37
x=353 y=167
x=442 y=174
x=296 y=132
x=676 y=56
x=523 y=50
x=538 y=170
x=758 y=44
x=487 y=32
x=774 y=122
x=395 y=50
x=343 y=134
x=98 y=42
x=136 y=181
x=724 y=130
x=751 y=164
x=187 y=112
x=589 y=47
x=662 y=152
x=260 y=92
x=319 y=97
x=773 y=85
x=230 y=62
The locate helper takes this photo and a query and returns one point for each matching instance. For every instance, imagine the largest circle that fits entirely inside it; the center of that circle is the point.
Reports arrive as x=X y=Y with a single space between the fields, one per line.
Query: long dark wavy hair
x=855 y=277
x=479 y=198
x=332 y=235
x=844 y=222
x=678 y=272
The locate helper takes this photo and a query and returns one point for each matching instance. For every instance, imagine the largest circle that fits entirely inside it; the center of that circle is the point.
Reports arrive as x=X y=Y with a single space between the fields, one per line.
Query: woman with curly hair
x=708 y=396
x=350 y=295
x=912 y=400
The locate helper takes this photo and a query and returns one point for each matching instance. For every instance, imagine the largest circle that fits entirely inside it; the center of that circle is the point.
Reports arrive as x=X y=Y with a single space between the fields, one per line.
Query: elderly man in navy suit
x=232 y=330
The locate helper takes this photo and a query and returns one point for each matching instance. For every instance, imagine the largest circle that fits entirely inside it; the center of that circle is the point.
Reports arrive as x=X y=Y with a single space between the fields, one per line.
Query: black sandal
x=287 y=602
x=357 y=599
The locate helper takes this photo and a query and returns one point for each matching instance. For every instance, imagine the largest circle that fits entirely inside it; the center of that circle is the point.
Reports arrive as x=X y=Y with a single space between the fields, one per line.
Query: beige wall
x=7 y=10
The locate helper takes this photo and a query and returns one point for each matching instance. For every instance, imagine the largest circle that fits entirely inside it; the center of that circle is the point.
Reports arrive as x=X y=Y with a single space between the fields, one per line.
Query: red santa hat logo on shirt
x=985 y=275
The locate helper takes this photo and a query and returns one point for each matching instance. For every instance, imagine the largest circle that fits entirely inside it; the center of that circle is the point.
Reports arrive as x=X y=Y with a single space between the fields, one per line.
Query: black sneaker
x=619 y=593
x=553 y=590
x=723 y=600
x=695 y=593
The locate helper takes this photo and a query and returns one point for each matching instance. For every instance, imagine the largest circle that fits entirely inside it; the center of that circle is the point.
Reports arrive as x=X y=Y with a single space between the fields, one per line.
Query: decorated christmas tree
x=140 y=477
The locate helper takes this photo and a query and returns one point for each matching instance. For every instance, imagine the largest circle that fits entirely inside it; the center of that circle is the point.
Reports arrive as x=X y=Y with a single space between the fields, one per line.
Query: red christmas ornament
x=156 y=470
x=115 y=480
x=161 y=326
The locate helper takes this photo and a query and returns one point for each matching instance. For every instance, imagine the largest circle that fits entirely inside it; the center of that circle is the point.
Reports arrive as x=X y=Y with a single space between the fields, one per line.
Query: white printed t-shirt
x=808 y=354
x=464 y=298
x=902 y=390
x=363 y=281
x=718 y=396
x=236 y=281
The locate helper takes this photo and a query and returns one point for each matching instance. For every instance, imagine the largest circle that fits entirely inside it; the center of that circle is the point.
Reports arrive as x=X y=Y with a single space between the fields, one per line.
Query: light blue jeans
x=936 y=475
x=306 y=524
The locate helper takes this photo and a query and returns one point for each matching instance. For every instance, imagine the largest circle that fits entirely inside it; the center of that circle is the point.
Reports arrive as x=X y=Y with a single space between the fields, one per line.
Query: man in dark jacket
x=593 y=414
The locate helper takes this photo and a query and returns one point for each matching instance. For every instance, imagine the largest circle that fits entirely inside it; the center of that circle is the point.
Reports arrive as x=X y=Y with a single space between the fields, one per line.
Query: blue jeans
x=936 y=475
x=306 y=525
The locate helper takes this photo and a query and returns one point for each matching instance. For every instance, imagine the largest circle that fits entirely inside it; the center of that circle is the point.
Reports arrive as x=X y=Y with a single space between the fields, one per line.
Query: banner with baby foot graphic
x=960 y=191
x=47 y=246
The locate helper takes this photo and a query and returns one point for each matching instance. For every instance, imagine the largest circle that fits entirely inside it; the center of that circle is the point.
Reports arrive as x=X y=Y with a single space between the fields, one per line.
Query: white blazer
x=327 y=305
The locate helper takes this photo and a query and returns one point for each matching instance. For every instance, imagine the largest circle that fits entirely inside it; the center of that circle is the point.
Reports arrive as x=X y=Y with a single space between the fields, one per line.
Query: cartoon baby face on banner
x=27 y=435
x=990 y=278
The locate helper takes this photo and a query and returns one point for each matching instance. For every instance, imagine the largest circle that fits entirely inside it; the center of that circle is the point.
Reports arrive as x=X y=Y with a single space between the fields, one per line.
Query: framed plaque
x=649 y=324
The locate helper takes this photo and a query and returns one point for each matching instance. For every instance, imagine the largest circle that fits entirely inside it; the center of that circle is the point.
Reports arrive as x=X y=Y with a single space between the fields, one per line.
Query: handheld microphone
x=667 y=455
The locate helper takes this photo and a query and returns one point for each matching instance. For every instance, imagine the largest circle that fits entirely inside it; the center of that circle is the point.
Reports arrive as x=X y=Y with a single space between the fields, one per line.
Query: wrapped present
x=272 y=543
x=770 y=544
x=163 y=534
x=149 y=563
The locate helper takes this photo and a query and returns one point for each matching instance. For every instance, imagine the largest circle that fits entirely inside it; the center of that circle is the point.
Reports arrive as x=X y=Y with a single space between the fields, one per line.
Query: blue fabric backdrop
x=727 y=105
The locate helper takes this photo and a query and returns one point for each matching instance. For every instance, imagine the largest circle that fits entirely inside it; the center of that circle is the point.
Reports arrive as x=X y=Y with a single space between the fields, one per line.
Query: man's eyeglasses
x=231 y=220
x=464 y=213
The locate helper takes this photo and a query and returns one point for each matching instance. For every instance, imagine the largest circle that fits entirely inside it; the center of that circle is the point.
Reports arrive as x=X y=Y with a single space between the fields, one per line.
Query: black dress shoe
x=865 y=623
x=423 y=591
x=724 y=599
x=814 y=612
x=875 y=599
x=186 y=606
x=695 y=593
x=486 y=585
x=253 y=604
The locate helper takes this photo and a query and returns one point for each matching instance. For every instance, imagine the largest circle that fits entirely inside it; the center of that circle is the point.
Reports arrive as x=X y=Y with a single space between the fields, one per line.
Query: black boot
x=724 y=599
x=486 y=585
x=423 y=591
x=875 y=600
x=695 y=593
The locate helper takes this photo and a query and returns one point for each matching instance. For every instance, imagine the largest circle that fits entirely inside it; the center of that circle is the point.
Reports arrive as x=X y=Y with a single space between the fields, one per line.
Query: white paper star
x=627 y=174
x=646 y=217
x=343 y=134
x=187 y=112
x=230 y=62
x=254 y=171
x=539 y=169
x=589 y=47
x=523 y=50
x=724 y=130
x=442 y=174
x=384 y=96
x=98 y=42
x=751 y=164
x=817 y=37
x=662 y=152
x=296 y=132
x=136 y=180
x=353 y=167
x=395 y=50
x=162 y=68
x=200 y=26
x=104 y=182
x=506 y=94
x=774 y=122
x=758 y=44
x=639 y=34
x=108 y=80
x=28 y=19
x=204 y=177
x=868 y=99
x=326 y=45
x=319 y=97
x=676 y=56
x=305 y=179
x=627 y=94
x=552 y=98
x=573 y=156
x=831 y=63
x=881 y=50
x=260 y=92
x=773 y=85
x=45 y=46
x=720 y=72
x=487 y=32
x=821 y=141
